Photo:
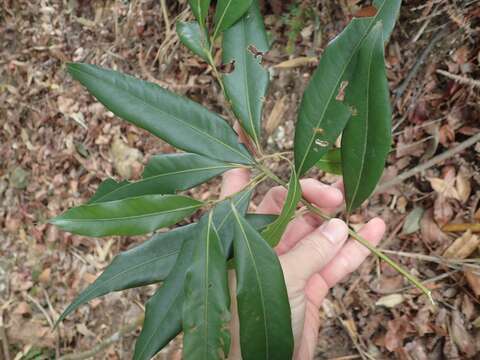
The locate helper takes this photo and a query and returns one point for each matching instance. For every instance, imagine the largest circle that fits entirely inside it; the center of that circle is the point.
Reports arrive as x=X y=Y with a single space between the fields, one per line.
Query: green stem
x=411 y=278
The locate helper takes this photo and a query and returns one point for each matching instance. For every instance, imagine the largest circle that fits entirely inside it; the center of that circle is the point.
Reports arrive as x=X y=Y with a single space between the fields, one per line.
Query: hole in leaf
x=341 y=91
x=367 y=11
x=227 y=68
x=322 y=143
x=255 y=52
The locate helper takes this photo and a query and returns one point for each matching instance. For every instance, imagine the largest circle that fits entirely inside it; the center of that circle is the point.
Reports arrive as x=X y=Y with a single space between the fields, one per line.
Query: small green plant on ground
x=347 y=95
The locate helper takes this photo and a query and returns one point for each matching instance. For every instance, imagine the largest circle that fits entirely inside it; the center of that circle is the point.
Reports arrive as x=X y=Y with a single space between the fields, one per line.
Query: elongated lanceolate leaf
x=263 y=307
x=246 y=86
x=228 y=12
x=175 y=119
x=366 y=139
x=200 y=10
x=163 y=313
x=193 y=37
x=323 y=112
x=147 y=263
x=331 y=162
x=164 y=174
x=132 y=216
x=206 y=309
x=273 y=233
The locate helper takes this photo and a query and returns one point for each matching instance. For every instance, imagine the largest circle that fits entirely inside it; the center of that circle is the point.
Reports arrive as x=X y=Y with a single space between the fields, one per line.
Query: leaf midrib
x=257 y=275
x=168 y=114
x=365 y=137
x=154 y=177
x=156 y=213
x=312 y=139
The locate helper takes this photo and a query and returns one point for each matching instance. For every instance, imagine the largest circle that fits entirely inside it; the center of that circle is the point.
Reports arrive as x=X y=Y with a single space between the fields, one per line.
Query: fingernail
x=335 y=231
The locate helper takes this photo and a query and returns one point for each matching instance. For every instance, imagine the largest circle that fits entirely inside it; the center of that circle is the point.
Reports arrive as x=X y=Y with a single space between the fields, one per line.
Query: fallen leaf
x=460 y=335
x=297 y=62
x=473 y=280
x=463 y=246
x=367 y=11
x=463 y=187
x=276 y=115
x=125 y=159
x=390 y=301
x=412 y=221
x=397 y=330
x=431 y=232
x=442 y=210
x=462 y=227
x=22 y=309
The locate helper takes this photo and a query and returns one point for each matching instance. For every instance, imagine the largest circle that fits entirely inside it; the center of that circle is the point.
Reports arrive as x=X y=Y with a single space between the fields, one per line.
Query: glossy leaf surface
x=263 y=307
x=206 y=309
x=175 y=119
x=331 y=162
x=200 y=10
x=273 y=233
x=246 y=86
x=147 y=263
x=366 y=139
x=163 y=313
x=132 y=216
x=164 y=174
x=228 y=12
x=193 y=37
x=324 y=112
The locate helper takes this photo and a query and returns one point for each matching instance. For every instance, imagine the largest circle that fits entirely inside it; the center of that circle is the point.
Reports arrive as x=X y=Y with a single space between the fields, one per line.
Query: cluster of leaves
x=347 y=95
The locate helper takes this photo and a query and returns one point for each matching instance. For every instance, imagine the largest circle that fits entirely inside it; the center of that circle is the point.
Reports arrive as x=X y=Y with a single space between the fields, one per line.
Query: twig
x=3 y=337
x=405 y=273
x=106 y=343
x=165 y=16
x=432 y=162
x=423 y=56
x=461 y=79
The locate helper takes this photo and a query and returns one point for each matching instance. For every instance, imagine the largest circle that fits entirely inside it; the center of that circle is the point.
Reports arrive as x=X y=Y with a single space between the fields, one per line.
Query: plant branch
x=378 y=253
x=433 y=161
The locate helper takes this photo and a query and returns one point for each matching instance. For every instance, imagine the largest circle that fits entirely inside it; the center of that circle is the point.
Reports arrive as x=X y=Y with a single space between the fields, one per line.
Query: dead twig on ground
x=461 y=79
x=106 y=343
x=428 y=164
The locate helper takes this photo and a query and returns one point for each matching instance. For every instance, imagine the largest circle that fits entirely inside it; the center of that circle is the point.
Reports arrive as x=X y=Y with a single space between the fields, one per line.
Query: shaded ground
x=57 y=144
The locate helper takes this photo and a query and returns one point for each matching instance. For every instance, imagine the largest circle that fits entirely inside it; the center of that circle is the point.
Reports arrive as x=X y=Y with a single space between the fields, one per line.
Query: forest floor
x=57 y=143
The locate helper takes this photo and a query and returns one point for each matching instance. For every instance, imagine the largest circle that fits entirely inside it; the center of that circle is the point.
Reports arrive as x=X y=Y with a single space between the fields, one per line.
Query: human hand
x=314 y=256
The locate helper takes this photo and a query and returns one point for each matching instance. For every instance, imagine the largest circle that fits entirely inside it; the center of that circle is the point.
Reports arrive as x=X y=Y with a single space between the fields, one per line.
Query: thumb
x=233 y=181
x=313 y=252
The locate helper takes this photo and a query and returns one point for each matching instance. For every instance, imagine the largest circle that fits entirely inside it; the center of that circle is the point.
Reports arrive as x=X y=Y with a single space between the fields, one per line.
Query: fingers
x=313 y=252
x=233 y=181
x=296 y=230
x=353 y=253
x=324 y=196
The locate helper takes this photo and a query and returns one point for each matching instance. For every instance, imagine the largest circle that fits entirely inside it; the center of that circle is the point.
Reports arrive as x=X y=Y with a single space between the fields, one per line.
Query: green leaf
x=193 y=37
x=323 y=114
x=177 y=120
x=200 y=10
x=331 y=162
x=263 y=307
x=206 y=309
x=273 y=233
x=151 y=261
x=247 y=85
x=260 y=221
x=164 y=174
x=132 y=216
x=163 y=313
x=366 y=139
x=228 y=12
x=147 y=263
